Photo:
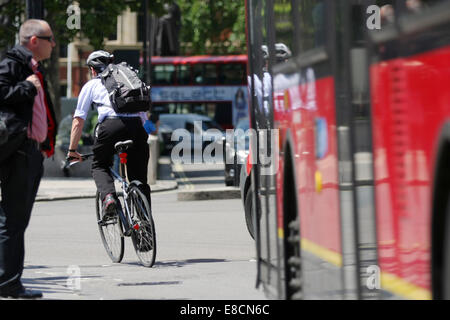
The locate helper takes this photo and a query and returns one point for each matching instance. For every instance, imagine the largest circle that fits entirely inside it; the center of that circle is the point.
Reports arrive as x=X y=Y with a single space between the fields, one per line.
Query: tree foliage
x=212 y=26
x=97 y=19
x=208 y=26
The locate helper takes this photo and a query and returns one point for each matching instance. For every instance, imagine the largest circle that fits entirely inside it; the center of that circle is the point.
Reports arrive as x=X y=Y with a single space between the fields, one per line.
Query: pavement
x=192 y=182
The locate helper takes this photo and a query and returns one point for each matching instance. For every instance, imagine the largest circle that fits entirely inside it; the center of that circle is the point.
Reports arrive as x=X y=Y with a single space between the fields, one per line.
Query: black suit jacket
x=17 y=94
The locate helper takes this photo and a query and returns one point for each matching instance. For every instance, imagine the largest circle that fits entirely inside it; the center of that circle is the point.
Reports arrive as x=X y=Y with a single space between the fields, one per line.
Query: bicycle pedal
x=128 y=232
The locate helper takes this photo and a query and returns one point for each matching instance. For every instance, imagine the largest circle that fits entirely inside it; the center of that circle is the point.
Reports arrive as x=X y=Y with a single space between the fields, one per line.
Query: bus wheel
x=292 y=235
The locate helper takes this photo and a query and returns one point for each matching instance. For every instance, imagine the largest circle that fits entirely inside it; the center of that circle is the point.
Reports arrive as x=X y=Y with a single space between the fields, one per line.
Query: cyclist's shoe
x=109 y=206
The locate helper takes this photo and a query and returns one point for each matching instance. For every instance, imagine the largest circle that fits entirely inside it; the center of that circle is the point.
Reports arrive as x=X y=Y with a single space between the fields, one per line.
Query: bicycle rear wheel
x=110 y=232
x=143 y=236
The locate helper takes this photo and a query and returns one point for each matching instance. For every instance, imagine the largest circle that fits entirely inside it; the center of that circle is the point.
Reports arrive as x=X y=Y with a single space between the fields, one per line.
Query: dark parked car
x=235 y=152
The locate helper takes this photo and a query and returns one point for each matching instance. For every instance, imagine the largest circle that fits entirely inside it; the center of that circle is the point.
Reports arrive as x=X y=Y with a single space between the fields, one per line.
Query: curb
x=60 y=198
x=167 y=182
x=209 y=194
x=171 y=186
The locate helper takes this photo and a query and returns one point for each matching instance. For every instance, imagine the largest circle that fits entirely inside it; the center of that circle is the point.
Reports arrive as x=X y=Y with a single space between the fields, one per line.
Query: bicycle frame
x=126 y=219
x=133 y=222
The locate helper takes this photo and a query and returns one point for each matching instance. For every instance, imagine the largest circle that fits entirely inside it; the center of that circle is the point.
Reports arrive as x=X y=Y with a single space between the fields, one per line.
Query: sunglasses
x=48 y=38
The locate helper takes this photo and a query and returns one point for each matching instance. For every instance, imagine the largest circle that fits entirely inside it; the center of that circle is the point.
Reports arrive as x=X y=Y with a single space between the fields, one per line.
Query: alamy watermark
x=373 y=281
x=233 y=146
x=73 y=281
x=74 y=19
x=379 y=15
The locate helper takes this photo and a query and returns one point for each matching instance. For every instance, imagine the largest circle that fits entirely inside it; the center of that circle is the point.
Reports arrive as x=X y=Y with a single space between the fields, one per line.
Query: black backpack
x=127 y=93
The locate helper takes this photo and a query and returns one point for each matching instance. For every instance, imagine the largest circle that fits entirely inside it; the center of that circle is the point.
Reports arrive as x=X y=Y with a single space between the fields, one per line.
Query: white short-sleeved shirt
x=94 y=92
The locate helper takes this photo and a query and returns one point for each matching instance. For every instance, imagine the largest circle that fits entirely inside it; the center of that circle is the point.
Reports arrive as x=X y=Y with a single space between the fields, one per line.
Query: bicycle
x=134 y=217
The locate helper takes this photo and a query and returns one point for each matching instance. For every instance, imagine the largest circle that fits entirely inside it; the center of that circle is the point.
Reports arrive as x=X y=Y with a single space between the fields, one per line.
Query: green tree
x=208 y=26
x=212 y=26
x=95 y=18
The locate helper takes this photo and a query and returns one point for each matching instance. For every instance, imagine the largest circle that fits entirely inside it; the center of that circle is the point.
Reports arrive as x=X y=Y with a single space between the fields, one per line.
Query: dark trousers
x=108 y=133
x=20 y=176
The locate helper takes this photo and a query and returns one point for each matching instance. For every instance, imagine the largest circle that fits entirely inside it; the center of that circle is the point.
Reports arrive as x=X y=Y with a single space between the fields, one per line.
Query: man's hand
x=74 y=156
x=34 y=80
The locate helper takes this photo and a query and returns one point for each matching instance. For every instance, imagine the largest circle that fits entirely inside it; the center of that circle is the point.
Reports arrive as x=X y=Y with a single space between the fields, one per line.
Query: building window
x=62 y=51
x=63 y=90
x=140 y=27
x=113 y=35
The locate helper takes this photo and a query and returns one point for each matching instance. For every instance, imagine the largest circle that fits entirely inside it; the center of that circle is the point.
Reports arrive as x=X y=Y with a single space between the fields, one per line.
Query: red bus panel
x=410 y=104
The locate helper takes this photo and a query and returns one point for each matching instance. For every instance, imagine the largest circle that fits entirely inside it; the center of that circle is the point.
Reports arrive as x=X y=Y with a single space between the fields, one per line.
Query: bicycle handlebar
x=83 y=156
x=70 y=163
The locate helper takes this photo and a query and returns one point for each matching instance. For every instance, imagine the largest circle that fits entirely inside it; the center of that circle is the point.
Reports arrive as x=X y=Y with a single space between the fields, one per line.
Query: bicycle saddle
x=122 y=146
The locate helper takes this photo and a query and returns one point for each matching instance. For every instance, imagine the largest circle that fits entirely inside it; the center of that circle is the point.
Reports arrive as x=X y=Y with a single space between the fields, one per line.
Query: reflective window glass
x=205 y=73
x=312 y=24
x=183 y=74
x=284 y=29
x=232 y=73
x=163 y=74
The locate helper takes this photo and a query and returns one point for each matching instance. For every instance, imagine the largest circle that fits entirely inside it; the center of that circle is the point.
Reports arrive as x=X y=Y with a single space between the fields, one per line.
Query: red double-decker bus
x=215 y=86
x=359 y=94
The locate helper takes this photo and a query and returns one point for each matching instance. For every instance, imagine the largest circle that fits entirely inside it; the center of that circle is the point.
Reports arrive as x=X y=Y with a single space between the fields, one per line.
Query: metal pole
x=69 y=71
x=149 y=33
x=35 y=9
x=144 y=40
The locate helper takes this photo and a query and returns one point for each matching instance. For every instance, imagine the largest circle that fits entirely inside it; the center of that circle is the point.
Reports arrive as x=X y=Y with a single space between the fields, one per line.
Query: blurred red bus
x=215 y=86
x=358 y=207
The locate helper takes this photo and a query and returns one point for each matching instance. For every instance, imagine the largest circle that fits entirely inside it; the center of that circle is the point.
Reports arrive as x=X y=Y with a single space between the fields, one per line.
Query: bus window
x=284 y=28
x=312 y=24
x=163 y=74
x=233 y=73
x=183 y=74
x=205 y=73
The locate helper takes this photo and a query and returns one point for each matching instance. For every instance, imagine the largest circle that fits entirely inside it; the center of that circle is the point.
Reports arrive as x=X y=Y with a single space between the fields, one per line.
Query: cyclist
x=111 y=128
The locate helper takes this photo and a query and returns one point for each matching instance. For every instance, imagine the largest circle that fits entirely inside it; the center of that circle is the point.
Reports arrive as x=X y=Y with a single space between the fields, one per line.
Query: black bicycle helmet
x=99 y=60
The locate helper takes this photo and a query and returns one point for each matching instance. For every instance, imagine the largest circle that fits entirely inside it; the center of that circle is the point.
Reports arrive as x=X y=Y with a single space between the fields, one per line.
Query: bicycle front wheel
x=110 y=232
x=143 y=236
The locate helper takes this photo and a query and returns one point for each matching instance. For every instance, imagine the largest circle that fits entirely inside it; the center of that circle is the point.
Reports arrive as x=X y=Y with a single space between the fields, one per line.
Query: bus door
x=263 y=178
x=356 y=188
x=305 y=114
